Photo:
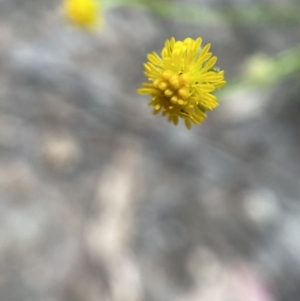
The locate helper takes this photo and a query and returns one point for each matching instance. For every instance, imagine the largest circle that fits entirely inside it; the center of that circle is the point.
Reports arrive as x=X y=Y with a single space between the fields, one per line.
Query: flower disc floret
x=181 y=81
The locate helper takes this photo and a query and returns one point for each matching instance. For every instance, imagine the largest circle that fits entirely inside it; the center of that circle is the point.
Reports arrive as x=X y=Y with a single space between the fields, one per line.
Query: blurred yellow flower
x=83 y=13
x=182 y=80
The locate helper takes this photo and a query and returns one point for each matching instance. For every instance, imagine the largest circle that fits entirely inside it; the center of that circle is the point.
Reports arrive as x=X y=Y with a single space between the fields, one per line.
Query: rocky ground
x=100 y=200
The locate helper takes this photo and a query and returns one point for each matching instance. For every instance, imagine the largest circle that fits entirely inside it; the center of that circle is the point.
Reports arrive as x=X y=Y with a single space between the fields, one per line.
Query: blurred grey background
x=101 y=200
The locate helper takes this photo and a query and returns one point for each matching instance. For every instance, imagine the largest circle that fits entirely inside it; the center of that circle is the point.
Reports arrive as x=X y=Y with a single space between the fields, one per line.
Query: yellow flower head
x=83 y=13
x=181 y=81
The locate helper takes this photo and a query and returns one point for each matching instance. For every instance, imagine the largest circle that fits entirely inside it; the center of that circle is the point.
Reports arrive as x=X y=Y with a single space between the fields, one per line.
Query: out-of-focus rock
x=60 y=152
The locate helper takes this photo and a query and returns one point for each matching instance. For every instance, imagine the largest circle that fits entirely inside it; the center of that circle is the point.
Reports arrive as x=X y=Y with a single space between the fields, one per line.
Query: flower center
x=174 y=86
